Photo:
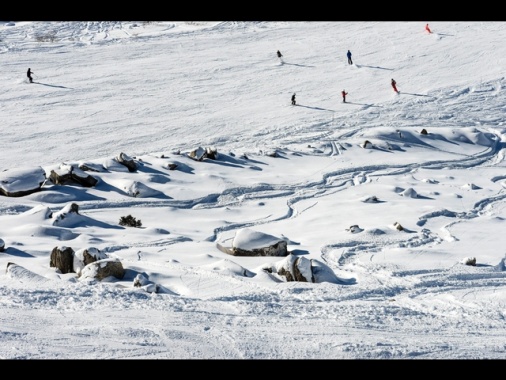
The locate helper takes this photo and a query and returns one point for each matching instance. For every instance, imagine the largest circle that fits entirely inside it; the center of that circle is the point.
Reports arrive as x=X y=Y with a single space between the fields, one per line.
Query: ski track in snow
x=183 y=324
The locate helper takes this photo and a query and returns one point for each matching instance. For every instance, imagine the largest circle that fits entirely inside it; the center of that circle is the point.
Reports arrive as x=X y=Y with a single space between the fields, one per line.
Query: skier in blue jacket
x=349 y=57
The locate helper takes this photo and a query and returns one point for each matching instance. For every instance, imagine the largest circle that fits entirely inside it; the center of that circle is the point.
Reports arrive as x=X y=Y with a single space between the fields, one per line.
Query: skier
x=344 y=93
x=350 y=62
x=394 y=85
x=293 y=99
x=280 y=56
x=427 y=28
x=29 y=75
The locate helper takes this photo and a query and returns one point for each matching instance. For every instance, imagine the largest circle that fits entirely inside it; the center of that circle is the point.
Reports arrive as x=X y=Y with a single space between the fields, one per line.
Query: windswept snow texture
x=395 y=202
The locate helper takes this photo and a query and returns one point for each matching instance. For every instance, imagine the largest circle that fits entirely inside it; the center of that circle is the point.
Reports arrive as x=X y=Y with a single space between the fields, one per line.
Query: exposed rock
x=296 y=269
x=82 y=178
x=71 y=208
x=126 y=160
x=423 y=132
x=197 y=154
x=87 y=256
x=471 y=186
x=21 y=182
x=62 y=258
x=300 y=269
x=91 y=255
x=62 y=175
x=101 y=269
x=253 y=243
x=354 y=229
x=277 y=249
x=366 y=144
x=68 y=174
x=112 y=165
x=141 y=281
x=398 y=227
x=200 y=153
x=248 y=242
x=2 y=245
x=409 y=193
x=212 y=154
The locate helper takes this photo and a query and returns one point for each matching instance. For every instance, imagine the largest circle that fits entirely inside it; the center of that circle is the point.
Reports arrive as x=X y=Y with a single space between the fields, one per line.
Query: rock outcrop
x=21 y=182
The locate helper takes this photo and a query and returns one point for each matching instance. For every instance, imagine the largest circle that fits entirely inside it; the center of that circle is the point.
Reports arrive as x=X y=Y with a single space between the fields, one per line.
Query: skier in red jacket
x=427 y=28
x=394 y=85
x=344 y=93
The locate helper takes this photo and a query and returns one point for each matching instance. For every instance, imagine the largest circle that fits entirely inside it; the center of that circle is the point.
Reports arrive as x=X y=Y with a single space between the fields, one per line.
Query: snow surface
x=389 y=217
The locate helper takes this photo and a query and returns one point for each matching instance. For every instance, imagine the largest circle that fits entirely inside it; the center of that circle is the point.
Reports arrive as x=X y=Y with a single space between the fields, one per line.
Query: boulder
x=354 y=229
x=87 y=256
x=142 y=282
x=62 y=258
x=126 y=160
x=295 y=268
x=66 y=174
x=62 y=175
x=83 y=179
x=301 y=269
x=68 y=211
x=248 y=242
x=200 y=153
x=100 y=269
x=21 y=182
x=398 y=226
x=276 y=249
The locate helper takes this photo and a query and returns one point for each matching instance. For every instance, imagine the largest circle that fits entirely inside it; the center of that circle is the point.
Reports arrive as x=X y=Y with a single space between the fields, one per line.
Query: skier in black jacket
x=280 y=56
x=29 y=75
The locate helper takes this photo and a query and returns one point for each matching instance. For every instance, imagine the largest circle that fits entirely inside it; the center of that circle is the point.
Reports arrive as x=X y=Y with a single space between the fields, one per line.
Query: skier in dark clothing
x=29 y=75
x=350 y=62
x=394 y=85
x=280 y=56
x=293 y=99
x=344 y=93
